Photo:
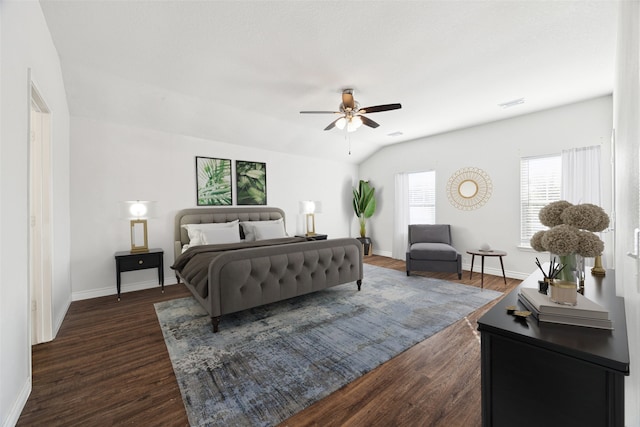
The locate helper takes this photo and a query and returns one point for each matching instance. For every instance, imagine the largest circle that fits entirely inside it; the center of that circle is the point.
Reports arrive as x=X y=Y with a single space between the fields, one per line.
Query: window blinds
x=422 y=197
x=539 y=186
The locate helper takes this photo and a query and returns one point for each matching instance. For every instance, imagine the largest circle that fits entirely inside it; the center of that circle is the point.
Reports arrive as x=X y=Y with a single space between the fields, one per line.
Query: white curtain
x=580 y=181
x=581 y=175
x=401 y=216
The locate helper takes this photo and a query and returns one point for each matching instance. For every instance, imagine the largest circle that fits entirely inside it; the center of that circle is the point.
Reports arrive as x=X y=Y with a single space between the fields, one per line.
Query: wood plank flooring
x=109 y=366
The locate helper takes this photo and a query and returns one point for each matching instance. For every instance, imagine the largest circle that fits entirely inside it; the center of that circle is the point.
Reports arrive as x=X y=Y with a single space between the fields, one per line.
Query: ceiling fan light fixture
x=354 y=123
x=340 y=124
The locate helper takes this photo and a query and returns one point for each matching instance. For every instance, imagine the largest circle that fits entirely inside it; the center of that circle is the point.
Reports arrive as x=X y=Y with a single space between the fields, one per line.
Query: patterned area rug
x=267 y=364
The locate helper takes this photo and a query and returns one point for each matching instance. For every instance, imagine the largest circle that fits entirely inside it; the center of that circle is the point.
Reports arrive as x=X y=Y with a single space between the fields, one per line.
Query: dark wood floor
x=109 y=366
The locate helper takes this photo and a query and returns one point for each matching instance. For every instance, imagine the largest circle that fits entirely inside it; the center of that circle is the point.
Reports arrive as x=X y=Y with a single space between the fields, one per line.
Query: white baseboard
x=488 y=270
x=58 y=322
x=14 y=414
x=111 y=290
x=495 y=271
x=381 y=253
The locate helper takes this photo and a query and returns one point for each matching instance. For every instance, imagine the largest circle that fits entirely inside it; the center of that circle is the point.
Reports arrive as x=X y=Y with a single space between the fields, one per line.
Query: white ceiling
x=240 y=71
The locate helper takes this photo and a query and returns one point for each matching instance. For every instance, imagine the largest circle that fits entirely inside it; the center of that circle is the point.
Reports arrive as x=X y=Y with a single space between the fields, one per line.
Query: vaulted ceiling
x=240 y=71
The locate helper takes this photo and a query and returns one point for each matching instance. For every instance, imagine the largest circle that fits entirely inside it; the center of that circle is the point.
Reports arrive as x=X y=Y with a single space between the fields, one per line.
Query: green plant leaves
x=251 y=182
x=364 y=204
x=214 y=181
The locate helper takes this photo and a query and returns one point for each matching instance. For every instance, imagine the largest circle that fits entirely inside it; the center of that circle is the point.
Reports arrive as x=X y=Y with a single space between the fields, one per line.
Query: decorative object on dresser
x=251 y=183
x=584 y=313
x=564 y=375
x=130 y=261
x=571 y=236
x=227 y=276
x=138 y=211
x=213 y=181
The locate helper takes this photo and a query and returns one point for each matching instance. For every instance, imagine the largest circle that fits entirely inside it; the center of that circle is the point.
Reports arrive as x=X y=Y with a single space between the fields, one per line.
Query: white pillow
x=218 y=236
x=269 y=231
x=195 y=235
x=249 y=227
x=195 y=230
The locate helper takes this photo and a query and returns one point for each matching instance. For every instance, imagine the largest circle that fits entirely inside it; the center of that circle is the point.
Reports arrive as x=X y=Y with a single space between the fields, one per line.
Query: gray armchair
x=430 y=249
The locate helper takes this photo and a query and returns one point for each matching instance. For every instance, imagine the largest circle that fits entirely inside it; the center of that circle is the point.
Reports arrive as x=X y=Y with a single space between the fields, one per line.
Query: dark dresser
x=544 y=374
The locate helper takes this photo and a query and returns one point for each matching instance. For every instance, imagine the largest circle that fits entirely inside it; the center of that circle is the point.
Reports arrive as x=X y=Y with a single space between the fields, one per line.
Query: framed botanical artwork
x=213 y=177
x=251 y=183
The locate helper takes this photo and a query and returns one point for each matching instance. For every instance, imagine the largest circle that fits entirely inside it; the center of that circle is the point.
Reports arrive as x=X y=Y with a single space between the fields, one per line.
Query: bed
x=226 y=274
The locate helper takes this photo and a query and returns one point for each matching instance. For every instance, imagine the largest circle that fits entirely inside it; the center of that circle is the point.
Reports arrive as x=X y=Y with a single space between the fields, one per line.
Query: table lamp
x=138 y=211
x=310 y=208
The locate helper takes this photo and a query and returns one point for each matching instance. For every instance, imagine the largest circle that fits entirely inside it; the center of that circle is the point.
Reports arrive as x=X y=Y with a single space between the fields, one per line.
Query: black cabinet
x=130 y=261
x=545 y=374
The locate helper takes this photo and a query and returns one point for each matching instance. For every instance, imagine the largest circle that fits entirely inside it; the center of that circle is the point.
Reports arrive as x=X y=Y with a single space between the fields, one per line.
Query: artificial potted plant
x=364 y=205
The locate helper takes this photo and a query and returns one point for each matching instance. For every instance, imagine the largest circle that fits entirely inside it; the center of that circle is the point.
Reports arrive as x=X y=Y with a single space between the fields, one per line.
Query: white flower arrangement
x=571 y=229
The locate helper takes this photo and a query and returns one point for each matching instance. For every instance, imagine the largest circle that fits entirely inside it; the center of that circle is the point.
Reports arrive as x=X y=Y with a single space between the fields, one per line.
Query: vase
x=573 y=267
x=563 y=292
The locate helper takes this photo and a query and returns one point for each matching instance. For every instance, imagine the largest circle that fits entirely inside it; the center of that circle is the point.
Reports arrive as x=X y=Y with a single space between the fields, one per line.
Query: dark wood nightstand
x=130 y=261
x=314 y=237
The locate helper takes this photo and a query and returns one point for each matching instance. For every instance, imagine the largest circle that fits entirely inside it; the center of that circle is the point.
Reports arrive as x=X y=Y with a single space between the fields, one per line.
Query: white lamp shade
x=137 y=209
x=307 y=207
x=310 y=206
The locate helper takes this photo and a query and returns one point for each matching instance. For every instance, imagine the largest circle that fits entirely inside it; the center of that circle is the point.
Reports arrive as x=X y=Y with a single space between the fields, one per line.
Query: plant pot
x=366 y=244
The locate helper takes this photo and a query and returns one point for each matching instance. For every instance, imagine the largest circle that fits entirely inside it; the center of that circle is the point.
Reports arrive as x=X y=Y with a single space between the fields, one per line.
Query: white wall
x=26 y=43
x=627 y=146
x=496 y=148
x=112 y=163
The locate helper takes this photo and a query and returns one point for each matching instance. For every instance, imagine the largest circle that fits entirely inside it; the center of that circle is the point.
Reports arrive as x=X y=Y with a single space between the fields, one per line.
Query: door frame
x=40 y=217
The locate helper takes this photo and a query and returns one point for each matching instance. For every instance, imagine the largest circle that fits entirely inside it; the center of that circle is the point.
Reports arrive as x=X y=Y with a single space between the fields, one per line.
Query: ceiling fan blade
x=320 y=112
x=379 y=108
x=333 y=124
x=368 y=122
x=347 y=99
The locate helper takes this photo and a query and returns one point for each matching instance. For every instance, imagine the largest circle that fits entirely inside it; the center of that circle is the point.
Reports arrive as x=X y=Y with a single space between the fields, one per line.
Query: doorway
x=40 y=252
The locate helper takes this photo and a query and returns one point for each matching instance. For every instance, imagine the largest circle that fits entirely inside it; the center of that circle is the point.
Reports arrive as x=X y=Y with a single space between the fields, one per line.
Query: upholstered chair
x=430 y=249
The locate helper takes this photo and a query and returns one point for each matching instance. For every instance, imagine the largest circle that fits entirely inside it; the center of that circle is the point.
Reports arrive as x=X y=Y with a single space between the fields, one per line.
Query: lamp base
x=139 y=242
x=311 y=225
x=139 y=250
x=598 y=269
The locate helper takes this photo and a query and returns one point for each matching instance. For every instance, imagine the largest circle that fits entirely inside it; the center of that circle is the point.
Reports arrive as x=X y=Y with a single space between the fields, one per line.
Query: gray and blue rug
x=269 y=363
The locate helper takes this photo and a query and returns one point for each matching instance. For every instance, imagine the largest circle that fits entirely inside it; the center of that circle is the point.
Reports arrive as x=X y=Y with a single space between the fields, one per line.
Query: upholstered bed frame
x=249 y=277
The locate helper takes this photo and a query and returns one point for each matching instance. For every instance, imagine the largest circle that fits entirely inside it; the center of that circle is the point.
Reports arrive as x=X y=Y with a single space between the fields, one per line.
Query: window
x=539 y=186
x=422 y=197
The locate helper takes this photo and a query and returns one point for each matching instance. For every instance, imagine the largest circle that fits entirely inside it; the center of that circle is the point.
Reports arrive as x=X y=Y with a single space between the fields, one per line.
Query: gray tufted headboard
x=219 y=214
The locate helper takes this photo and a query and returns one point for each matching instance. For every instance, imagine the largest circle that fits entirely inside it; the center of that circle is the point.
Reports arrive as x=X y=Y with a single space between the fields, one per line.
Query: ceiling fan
x=352 y=116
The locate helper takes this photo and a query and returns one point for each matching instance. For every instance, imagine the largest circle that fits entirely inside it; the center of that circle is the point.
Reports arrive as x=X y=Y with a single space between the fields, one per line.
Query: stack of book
x=584 y=313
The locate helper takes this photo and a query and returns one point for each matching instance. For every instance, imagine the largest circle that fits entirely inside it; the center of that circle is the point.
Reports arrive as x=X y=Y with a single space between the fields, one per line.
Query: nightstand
x=130 y=261
x=314 y=237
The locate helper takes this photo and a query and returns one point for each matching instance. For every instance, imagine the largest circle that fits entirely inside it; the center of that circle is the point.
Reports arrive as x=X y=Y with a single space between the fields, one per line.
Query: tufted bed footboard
x=248 y=278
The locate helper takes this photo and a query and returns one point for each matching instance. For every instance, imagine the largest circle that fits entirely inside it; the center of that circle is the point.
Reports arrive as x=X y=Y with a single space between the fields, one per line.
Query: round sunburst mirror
x=469 y=188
